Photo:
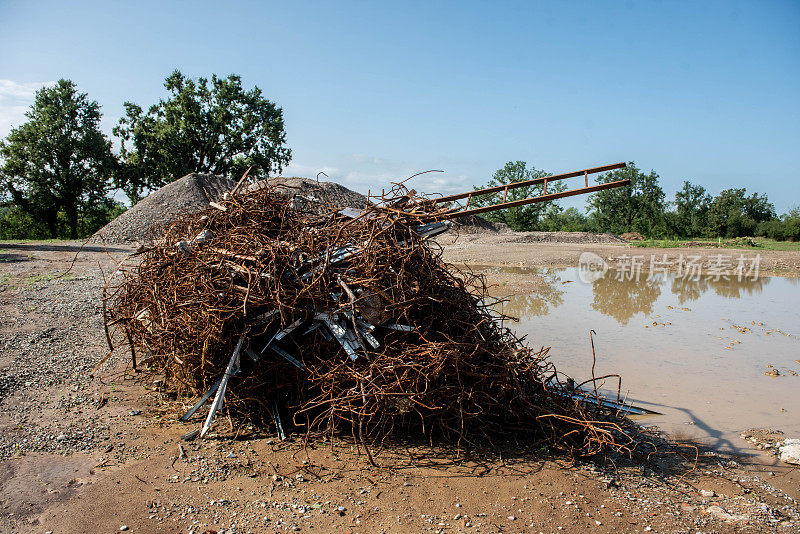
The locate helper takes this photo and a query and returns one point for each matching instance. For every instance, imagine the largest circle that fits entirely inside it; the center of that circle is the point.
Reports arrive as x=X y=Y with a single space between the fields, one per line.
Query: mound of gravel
x=565 y=237
x=316 y=196
x=474 y=224
x=191 y=193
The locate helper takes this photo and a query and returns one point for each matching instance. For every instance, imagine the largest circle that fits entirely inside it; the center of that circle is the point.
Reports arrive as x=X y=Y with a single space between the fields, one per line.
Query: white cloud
x=15 y=99
x=25 y=90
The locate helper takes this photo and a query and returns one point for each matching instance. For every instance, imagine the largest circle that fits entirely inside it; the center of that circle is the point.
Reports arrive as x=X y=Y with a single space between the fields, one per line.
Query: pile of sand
x=193 y=192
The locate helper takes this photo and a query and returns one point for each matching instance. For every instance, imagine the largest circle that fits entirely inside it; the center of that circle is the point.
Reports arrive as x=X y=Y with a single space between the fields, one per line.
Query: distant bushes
x=787 y=228
x=17 y=224
x=569 y=220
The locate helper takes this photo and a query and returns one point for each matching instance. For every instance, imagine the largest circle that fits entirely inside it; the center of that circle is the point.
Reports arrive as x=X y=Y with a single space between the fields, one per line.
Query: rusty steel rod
x=535 y=181
x=525 y=201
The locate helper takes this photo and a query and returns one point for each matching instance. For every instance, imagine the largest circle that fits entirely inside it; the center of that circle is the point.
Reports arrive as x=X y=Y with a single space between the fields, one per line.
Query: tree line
x=59 y=174
x=643 y=208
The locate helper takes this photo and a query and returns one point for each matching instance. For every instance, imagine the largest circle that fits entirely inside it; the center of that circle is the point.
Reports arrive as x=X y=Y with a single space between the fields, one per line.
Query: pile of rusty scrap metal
x=348 y=321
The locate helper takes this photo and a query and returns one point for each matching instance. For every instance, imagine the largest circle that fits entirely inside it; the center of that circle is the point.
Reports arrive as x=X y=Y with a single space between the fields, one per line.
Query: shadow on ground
x=50 y=247
x=650 y=453
x=13 y=258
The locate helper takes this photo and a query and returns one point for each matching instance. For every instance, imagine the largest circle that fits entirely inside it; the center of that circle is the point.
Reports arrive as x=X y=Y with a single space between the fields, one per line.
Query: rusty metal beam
x=532 y=200
x=535 y=181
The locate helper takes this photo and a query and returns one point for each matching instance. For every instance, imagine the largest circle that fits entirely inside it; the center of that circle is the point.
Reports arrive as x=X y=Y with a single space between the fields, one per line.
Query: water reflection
x=733 y=289
x=622 y=299
x=550 y=295
x=688 y=289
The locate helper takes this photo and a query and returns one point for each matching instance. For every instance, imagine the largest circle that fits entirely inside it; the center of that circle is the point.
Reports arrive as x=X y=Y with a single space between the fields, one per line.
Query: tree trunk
x=71 y=211
x=51 y=220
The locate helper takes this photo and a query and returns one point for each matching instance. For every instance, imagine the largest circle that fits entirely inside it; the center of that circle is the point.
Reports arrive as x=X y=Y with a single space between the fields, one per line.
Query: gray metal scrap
x=341 y=334
x=233 y=368
x=199 y=403
x=288 y=357
x=288 y=330
x=372 y=340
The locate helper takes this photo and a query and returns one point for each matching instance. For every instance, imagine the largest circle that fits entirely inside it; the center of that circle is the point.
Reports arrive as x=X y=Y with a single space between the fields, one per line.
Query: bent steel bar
x=535 y=181
x=522 y=202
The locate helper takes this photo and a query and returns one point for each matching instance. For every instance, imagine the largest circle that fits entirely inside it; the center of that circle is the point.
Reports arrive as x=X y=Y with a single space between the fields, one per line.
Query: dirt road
x=102 y=453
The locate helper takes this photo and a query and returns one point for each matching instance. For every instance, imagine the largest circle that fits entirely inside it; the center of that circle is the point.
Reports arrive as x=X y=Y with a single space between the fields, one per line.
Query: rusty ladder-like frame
x=462 y=211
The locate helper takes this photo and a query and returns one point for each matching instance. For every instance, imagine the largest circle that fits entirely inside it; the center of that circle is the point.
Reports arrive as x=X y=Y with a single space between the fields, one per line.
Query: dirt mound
x=191 y=193
x=565 y=237
x=632 y=236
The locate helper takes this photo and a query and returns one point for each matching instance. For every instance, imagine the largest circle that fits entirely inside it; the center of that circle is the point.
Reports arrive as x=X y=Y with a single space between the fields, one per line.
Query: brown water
x=695 y=350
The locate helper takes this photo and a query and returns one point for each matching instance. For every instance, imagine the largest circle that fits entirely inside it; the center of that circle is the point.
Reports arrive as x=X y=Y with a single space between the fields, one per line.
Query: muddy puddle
x=714 y=356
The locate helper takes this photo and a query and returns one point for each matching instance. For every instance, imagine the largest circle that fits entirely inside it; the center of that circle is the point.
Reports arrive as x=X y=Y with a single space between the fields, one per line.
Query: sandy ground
x=81 y=453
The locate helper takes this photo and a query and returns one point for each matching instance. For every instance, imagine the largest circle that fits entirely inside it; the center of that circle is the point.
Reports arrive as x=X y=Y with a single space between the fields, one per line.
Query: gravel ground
x=480 y=234
x=48 y=368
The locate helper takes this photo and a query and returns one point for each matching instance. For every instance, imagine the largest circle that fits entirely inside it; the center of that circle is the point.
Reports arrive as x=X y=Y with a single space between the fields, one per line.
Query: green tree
x=58 y=164
x=17 y=224
x=521 y=218
x=791 y=224
x=215 y=127
x=569 y=220
x=692 y=203
x=734 y=214
x=786 y=227
x=637 y=208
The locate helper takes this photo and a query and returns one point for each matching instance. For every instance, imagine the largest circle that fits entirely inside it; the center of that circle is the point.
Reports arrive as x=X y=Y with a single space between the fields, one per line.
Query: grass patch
x=660 y=243
x=28 y=280
x=743 y=243
x=771 y=244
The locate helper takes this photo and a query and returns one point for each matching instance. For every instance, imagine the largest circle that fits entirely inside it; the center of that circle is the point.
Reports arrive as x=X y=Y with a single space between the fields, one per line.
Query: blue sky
x=376 y=91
